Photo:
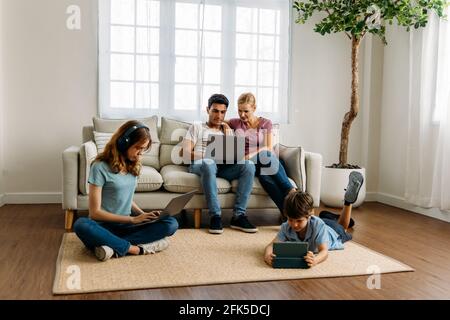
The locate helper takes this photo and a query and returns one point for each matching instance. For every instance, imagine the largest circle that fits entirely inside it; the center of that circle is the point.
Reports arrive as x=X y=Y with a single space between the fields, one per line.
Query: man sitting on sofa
x=194 y=148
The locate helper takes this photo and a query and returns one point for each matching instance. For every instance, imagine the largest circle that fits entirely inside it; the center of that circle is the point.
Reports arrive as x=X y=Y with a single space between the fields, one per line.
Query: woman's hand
x=146 y=216
x=310 y=259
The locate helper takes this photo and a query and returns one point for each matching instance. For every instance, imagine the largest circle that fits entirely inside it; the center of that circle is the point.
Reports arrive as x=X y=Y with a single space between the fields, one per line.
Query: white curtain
x=166 y=57
x=428 y=149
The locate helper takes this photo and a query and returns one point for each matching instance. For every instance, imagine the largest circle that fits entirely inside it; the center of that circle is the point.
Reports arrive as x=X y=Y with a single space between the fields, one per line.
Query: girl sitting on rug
x=323 y=233
x=111 y=229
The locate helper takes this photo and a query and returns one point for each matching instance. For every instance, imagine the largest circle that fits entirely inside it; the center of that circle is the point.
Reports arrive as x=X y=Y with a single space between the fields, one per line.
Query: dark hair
x=116 y=159
x=298 y=205
x=218 y=98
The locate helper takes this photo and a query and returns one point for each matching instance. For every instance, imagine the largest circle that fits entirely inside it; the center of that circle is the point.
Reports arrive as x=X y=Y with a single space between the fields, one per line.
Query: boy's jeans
x=208 y=170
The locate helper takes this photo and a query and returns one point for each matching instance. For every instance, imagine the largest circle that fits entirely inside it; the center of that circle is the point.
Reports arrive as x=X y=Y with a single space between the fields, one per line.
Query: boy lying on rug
x=111 y=229
x=323 y=233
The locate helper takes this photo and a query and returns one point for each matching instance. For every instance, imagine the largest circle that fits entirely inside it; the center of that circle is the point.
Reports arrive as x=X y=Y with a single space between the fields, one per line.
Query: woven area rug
x=196 y=257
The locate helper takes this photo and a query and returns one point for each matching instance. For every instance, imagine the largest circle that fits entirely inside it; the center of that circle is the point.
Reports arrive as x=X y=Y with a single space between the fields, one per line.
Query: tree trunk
x=354 y=105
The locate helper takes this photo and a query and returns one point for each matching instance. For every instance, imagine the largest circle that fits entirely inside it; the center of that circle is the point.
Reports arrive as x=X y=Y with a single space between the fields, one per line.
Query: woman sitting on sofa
x=111 y=229
x=259 y=149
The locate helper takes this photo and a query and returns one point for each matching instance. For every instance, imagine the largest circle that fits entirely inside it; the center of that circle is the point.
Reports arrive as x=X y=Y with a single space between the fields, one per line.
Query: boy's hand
x=268 y=258
x=310 y=259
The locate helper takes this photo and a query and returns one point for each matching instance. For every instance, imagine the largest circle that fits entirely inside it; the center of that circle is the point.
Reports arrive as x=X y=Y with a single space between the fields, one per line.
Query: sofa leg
x=197 y=218
x=70 y=214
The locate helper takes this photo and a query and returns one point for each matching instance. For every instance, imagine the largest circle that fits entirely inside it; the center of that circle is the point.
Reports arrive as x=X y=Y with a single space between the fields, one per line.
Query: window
x=167 y=57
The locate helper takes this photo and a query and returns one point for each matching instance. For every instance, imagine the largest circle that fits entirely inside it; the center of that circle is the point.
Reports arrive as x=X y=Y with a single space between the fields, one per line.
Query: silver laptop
x=173 y=207
x=225 y=149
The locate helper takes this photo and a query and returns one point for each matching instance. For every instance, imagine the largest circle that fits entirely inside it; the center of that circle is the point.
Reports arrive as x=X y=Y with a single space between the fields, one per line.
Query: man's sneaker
x=334 y=216
x=241 y=222
x=155 y=246
x=103 y=253
x=215 y=225
x=355 y=181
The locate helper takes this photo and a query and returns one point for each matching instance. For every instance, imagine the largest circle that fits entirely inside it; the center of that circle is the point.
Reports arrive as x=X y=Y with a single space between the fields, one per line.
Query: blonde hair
x=247 y=98
x=117 y=160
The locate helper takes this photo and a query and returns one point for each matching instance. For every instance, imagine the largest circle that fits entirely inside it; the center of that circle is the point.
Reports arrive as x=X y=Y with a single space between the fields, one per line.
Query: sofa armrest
x=70 y=159
x=88 y=153
x=313 y=163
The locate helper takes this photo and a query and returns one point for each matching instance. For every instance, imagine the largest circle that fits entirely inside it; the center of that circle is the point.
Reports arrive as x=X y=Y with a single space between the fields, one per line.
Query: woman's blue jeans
x=272 y=176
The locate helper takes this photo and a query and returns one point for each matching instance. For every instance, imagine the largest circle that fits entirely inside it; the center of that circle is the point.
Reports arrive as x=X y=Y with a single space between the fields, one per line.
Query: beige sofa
x=161 y=179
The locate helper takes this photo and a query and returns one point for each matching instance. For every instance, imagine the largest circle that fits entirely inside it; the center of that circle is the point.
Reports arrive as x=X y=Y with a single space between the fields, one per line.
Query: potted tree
x=356 y=19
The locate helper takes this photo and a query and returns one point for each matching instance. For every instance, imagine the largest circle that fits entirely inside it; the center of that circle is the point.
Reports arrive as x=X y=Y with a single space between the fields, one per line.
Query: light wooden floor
x=30 y=236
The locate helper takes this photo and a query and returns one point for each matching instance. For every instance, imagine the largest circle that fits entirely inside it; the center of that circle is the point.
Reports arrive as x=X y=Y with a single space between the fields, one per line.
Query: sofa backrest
x=169 y=134
x=88 y=133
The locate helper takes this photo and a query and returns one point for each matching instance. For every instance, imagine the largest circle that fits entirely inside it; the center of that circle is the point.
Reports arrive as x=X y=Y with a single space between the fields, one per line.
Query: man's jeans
x=120 y=236
x=208 y=170
x=272 y=176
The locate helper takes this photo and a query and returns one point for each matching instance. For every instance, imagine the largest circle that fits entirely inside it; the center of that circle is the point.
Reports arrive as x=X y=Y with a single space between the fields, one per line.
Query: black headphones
x=123 y=143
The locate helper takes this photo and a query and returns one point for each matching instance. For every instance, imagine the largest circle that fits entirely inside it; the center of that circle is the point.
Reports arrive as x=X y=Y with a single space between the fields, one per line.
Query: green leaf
x=354 y=17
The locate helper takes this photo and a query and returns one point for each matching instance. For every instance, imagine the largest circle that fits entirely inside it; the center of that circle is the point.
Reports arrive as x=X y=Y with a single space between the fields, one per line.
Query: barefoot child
x=322 y=234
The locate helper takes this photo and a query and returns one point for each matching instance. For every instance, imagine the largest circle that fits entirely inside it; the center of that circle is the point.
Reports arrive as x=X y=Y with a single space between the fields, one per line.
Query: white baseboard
x=2 y=201
x=32 y=197
x=401 y=203
x=371 y=197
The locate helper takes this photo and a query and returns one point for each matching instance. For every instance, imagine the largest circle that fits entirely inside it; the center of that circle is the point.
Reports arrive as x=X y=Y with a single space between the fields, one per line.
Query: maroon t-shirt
x=254 y=137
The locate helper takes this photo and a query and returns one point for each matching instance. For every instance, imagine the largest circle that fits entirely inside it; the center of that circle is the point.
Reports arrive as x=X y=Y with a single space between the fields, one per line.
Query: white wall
x=51 y=90
x=321 y=88
x=2 y=117
x=371 y=92
x=394 y=125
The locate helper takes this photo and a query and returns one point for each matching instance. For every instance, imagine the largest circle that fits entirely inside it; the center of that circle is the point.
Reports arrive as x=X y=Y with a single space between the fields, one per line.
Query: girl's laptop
x=174 y=206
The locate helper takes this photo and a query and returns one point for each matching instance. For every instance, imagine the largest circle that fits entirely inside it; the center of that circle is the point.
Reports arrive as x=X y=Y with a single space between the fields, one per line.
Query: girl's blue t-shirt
x=117 y=189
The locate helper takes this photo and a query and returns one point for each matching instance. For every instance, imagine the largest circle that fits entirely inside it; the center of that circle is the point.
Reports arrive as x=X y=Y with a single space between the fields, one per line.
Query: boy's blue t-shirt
x=317 y=232
x=117 y=189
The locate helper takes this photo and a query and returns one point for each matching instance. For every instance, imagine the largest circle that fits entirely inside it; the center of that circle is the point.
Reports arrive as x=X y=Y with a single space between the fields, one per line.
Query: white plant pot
x=334 y=181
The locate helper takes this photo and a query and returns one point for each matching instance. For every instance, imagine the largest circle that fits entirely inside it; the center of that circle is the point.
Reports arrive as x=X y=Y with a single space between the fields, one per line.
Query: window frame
x=167 y=58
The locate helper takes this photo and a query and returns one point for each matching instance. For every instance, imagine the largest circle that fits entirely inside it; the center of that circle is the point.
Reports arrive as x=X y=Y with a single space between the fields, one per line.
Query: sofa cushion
x=294 y=160
x=105 y=126
x=170 y=154
x=88 y=152
x=149 y=180
x=101 y=139
x=172 y=130
x=257 y=187
x=178 y=179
